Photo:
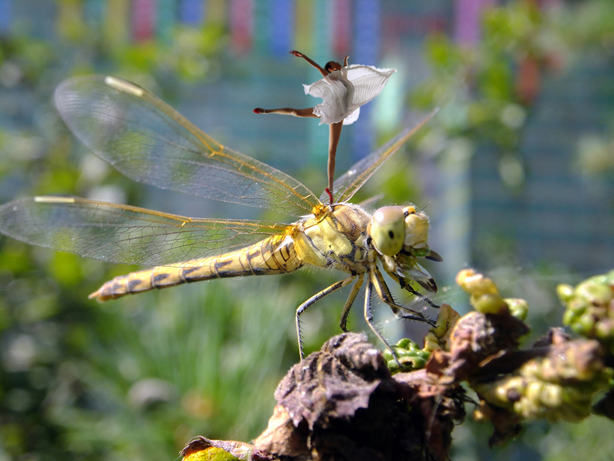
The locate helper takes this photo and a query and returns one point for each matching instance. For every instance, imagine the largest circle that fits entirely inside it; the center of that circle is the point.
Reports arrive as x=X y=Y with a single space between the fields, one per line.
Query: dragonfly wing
x=149 y=142
x=126 y=234
x=347 y=184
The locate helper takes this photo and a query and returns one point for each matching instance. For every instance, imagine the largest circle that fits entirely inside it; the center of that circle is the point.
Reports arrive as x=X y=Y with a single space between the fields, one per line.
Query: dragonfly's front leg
x=303 y=307
x=383 y=291
x=371 y=323
x=350 y=301
x=404 y=284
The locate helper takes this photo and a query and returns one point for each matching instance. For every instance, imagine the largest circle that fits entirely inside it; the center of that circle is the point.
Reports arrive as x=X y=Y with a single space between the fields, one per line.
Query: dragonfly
x=149 y=142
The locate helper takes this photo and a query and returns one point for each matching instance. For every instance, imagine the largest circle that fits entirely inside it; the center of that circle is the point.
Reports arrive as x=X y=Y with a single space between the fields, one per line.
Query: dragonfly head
x=394 y=228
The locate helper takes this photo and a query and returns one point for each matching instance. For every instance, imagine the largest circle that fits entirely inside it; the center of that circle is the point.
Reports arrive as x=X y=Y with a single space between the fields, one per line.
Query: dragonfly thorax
x=337 y=238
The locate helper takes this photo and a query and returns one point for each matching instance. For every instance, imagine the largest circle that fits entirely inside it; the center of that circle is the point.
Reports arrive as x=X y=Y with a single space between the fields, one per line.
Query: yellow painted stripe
x=52 y=199
x=122 y=85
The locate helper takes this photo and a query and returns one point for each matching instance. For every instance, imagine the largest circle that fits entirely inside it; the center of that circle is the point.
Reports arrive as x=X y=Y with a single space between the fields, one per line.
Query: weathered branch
x=351 y=402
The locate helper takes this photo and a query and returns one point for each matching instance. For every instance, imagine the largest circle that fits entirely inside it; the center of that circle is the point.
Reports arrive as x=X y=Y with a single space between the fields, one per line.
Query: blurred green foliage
x=488 y=89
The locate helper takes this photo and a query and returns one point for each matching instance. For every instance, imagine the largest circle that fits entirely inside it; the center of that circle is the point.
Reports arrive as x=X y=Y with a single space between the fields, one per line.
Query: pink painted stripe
x=468 y=20
x=342 y=28
x=143 y=19
x=241 y=24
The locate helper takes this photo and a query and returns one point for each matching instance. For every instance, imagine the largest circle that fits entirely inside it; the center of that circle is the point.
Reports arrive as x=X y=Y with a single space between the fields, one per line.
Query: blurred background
x=516 y=172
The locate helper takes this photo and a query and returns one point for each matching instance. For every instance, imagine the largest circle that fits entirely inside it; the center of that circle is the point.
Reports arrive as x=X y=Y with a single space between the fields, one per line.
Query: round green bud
x=577 y=305
x=519 y=308
x=415 y=362
x=531 y=369
x=406 y=343
x=564 y=292
x=551 y=395
x=393 y=366
x=569 y=317
x=489 y=304
x=534 y=390
x=595 y=293
x=423 y=354
x=605 y=329
x=584 y=324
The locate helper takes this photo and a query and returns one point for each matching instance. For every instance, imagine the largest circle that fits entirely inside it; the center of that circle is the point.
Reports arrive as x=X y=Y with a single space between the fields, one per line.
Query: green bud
x=578 y=305
x=475 y=283
x=489 y=304
x=409 y=356
x=569 y=317
x=414 y=363
x=211 y=454
x=393 y=366
x=527 y=408
x=501 y=392
x=565 y=292
x=518 y=307
x=605 y=329
x=423 y=354
x=551 y=395
x=596 y=279
x=519 y=406
x=584 y=325
x=400 y=352
x=531 y=369
x=595 y=293
x=518 y=383
x=534 y=390
x=431 y=342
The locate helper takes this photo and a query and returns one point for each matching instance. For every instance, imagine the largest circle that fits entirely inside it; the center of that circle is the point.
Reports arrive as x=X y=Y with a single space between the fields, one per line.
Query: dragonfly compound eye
x=388 y=230
x=416 y=230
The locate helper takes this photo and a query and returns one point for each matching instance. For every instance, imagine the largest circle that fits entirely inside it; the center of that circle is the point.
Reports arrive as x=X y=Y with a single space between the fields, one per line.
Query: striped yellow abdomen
x=273 y=255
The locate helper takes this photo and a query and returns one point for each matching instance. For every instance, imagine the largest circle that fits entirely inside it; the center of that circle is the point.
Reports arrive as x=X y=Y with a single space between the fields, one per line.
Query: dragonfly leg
x=334 y=133
x=350 y=301
x=371 y=323
x=404 y=284
x=287 y=111
x=384 y=293
x=303 y=307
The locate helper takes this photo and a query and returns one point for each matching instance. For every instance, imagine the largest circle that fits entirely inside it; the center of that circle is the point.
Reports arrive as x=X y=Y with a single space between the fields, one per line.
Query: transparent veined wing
x=126 y=234
x=348 y=184
x=149 y=142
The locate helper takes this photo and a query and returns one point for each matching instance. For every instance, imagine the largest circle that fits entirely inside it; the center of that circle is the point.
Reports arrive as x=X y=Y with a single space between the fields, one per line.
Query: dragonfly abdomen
x=274 y=255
